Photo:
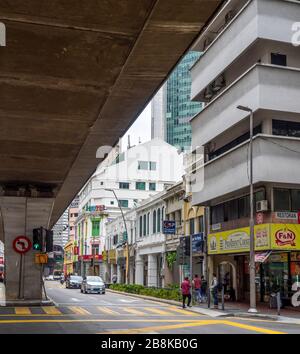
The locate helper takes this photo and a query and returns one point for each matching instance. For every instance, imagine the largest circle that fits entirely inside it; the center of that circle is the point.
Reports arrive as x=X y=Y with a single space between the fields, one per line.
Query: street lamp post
x=127 y=266
x=252 y=308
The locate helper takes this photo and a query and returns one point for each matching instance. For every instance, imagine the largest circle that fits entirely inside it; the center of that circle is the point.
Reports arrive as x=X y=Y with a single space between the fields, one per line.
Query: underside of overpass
x=74 y=76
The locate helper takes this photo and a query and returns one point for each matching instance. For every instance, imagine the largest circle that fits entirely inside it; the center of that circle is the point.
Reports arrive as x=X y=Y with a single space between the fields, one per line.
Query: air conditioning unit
x=262 y=206
x=208 y=94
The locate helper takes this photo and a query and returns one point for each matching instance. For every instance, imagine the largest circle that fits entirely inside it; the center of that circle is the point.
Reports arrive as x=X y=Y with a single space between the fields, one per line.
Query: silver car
x=93 y=284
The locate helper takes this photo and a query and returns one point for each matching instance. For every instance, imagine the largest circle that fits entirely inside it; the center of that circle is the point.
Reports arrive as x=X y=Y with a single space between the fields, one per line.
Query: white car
x=49 y=277
x=92 y=284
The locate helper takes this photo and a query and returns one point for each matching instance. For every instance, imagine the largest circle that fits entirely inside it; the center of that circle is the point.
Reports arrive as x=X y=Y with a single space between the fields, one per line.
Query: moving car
x=93 y=284
x=74 y=282
x=56 y=275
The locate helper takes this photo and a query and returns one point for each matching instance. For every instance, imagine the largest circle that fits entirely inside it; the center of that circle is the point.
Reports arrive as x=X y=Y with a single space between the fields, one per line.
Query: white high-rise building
x=61 y=230
x=133 y=175
x=158 y=114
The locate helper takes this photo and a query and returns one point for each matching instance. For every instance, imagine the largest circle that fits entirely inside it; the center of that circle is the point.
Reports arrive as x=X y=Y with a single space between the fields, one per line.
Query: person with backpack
x=186 y=292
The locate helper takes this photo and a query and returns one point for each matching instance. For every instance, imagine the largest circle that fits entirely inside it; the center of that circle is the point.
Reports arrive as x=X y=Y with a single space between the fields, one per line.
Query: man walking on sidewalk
x=214 y=290
x=197 y=287
x=186 y=292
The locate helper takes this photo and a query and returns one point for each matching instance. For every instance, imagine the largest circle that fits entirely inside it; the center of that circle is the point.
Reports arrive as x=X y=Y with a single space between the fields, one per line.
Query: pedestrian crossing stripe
x=50 y=310
x=22 y=311
x=108 y=311
x=133 y=311
x=79 y=310
x=159 y=311
x=183 y=312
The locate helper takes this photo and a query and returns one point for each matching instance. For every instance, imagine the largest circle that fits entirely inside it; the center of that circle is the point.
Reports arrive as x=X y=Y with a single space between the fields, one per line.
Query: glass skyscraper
x=177 y=106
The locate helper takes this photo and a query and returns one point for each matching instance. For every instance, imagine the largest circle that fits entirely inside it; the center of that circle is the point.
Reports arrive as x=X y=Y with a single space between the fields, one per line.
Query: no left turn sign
x=21 y=244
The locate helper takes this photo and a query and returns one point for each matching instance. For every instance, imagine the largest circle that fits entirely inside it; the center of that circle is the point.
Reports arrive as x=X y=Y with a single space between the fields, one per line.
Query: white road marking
x=74 y=299
x=128 y=301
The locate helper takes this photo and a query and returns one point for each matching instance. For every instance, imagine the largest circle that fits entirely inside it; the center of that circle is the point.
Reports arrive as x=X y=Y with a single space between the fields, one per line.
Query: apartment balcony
x=258 y=19
x=266 y=87
x=275 y=159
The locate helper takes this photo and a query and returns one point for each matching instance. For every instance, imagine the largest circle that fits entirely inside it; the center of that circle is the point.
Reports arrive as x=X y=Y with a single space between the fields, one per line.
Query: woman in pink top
x=186 y=292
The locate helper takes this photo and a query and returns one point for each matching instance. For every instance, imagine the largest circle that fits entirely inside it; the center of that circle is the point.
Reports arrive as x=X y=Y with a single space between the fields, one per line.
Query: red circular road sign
x=21 y=244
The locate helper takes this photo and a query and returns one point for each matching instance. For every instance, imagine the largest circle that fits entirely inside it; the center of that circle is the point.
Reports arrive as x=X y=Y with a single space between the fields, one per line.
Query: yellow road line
x=133 y=311
x=22 y=311
x=183 y=312
x=108 y=311
x=158 y=311
x=97 y=320
x=252 y=328
x=79 y=310
x=51 y=310
x=163 y=328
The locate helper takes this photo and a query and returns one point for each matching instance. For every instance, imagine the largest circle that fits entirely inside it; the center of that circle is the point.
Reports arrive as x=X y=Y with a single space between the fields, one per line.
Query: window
x=278 y=59
x=201 y=223
x=192 y=226
x=158 y=220
x=148 y=223
x=112 y=202
x=152 y=186
x=287 y=200
x=124 y=185
x=144 y=226
x=115 y=239
x=95 y=227
x=123 y=203
x=154 y=222
x=140 y=186
x=235 y=142
x=244 y=207
x=75 y=215
x=141 y=226
x=231 y=210
x=142 y=165
x=152 y=166
x=295 y=198
x=217 y=214
x=286 y=128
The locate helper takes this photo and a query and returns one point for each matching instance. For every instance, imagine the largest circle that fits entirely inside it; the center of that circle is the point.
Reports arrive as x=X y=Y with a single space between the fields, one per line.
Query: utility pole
x=252 y=308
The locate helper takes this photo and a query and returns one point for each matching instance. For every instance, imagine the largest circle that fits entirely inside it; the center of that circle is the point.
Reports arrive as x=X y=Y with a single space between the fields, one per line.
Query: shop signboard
x=238 y=240
x=198 y=242
x=286 y=215
x=112 y=256
x=285 y=237
x=169 y=227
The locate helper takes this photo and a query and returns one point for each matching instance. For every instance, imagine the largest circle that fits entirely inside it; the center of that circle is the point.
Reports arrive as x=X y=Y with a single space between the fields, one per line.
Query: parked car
x=49 y=277
x=93 y=284
x=74 y=282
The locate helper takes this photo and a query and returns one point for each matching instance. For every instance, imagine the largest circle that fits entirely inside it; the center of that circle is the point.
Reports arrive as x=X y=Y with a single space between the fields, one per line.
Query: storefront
x=277 y=258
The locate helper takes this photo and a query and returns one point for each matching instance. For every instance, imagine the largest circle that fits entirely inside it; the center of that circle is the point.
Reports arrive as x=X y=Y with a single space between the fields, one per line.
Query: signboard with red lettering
x=21 y=244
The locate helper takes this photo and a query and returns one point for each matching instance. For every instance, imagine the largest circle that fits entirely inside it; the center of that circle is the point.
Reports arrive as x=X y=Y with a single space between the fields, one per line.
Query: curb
x=199 y=310
x=28 y=303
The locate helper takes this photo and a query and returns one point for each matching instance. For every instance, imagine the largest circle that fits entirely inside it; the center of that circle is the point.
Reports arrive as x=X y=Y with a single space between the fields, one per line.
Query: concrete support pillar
x=139 y=270
x=20 y=215
x=152 y=270
x=119 y=273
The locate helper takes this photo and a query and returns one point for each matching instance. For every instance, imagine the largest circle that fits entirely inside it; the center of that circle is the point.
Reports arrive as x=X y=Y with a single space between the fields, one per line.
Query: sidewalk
x=231 y=309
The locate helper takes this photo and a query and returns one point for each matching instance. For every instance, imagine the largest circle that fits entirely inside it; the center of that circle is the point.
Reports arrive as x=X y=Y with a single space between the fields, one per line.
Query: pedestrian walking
x=197 y=288
x=214 y=290
x=114 y=278
x=186 y=292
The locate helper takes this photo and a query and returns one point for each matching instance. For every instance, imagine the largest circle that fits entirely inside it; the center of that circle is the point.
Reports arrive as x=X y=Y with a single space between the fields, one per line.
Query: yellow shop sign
x=267 y=237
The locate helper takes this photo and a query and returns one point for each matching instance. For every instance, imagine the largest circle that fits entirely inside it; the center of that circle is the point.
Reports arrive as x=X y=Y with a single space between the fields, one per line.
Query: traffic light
x=49 y=241
x=37 y=243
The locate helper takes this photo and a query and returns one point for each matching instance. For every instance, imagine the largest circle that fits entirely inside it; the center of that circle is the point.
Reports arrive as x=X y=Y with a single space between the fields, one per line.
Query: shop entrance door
x=225 y=277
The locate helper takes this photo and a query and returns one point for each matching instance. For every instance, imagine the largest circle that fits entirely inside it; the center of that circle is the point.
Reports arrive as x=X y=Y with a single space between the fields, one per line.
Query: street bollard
x=278 y=303
x=223 y=301
x=208 y=298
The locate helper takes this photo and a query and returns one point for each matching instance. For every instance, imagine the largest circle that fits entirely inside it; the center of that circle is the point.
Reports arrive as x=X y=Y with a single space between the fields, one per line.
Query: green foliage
x=168 y=294
x=171 y=259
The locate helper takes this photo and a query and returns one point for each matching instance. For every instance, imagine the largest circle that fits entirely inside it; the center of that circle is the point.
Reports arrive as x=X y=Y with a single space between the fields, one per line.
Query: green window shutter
x=95 y=228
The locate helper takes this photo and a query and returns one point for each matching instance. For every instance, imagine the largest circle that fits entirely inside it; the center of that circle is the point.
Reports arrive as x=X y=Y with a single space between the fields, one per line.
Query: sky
x=141 y=128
